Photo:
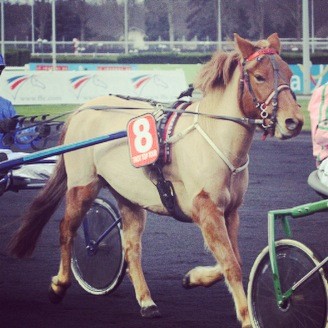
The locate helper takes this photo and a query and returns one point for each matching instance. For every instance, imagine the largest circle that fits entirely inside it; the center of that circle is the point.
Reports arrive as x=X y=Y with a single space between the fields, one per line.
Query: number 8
x=144 y=140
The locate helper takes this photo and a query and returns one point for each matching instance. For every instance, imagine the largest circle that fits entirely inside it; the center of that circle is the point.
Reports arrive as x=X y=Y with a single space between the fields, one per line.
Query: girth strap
x=166 y=192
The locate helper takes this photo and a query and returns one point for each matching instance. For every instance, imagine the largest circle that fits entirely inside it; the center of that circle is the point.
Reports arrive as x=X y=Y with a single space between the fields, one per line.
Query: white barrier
x=77 y=87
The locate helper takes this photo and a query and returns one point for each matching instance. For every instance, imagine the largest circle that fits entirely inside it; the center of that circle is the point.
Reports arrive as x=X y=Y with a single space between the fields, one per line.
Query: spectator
x=76 y=44
x=318 y=109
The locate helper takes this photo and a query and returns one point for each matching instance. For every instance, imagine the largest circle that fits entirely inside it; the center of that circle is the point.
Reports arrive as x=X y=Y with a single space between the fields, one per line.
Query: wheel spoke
x=100 y=269
x=307 y=307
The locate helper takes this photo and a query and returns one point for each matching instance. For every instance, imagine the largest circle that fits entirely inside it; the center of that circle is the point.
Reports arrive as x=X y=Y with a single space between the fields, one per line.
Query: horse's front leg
x=232 y=222
x=78 y=201
x=206 y=276
x=212 y=222
x=134 y=220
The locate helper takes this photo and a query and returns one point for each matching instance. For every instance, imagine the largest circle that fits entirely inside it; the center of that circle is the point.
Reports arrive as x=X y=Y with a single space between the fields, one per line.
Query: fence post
x=306 y=49
x=2 y=30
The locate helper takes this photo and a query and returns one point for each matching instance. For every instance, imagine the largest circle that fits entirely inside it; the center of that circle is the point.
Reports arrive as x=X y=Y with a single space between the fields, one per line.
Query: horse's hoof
x=186 y=282
x=55 y=298
x=150 y=312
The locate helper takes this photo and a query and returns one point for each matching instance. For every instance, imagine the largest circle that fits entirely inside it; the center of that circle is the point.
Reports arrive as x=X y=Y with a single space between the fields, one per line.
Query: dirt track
x=278 y=174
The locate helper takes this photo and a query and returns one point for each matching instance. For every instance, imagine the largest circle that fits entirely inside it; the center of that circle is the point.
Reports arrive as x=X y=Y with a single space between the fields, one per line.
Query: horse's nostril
x=291 y=124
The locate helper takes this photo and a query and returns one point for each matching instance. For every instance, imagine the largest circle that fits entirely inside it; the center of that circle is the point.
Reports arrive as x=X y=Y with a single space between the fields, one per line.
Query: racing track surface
x=278 y=175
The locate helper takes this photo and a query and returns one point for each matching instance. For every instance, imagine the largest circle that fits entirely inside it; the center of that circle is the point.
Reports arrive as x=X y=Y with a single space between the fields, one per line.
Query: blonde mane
x=217 y=72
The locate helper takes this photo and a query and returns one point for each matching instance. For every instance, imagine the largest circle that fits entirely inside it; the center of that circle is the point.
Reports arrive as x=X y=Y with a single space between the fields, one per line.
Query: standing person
x=318 y=110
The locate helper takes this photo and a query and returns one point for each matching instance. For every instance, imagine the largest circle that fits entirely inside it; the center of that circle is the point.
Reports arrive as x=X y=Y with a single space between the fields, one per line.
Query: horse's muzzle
x=291 y=128
x=293 y=124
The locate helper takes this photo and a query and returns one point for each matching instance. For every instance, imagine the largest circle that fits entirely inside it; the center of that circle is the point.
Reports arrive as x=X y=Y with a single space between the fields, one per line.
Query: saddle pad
x=166 y=129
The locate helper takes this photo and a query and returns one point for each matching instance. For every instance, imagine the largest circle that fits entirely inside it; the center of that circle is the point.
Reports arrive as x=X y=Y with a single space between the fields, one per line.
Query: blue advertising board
x=319 y=76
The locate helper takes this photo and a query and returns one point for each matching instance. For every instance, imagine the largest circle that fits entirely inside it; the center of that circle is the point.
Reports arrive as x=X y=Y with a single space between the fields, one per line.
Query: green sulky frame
x=283 y=215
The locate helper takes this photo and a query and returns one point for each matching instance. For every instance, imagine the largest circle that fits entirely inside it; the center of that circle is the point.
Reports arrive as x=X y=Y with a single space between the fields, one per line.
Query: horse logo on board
x=82 y=82
x=148 y=83
x=17 y=82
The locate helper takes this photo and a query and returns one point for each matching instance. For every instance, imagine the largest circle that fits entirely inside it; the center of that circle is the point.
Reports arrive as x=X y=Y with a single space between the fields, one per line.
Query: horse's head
x=265 y=87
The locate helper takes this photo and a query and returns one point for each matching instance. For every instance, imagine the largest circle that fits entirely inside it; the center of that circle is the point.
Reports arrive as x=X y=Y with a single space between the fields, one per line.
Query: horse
x=241 y=91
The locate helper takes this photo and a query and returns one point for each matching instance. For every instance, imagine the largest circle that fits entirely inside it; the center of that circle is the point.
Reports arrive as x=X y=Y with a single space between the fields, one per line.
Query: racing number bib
x=143 y=140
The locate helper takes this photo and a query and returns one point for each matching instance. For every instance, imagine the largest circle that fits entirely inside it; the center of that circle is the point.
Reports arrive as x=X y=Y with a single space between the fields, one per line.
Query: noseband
x=272 y=97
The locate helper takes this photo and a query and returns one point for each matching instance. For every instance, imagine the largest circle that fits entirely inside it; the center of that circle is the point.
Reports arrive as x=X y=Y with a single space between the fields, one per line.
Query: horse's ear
x=274 y=42
x=246 y=48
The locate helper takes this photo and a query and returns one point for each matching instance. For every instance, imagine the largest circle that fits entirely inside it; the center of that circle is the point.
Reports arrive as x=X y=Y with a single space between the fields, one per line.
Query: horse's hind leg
x=134 y=220
x=213 y=226
x=78 y=201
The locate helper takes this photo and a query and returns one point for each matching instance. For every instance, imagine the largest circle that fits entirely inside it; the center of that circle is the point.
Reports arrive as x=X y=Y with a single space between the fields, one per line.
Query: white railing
x=98 y=48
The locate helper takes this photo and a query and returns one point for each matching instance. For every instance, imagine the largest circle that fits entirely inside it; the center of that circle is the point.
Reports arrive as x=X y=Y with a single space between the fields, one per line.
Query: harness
x=165 y=187
x=166 y=126
x=167 y=139
x=165 y=129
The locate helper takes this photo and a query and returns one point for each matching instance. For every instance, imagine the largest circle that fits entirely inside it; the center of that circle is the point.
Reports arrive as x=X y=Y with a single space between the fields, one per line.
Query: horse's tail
x=40 y=211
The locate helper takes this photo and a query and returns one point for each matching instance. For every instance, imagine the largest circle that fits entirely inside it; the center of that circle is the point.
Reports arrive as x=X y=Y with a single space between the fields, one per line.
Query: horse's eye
x=259 y=78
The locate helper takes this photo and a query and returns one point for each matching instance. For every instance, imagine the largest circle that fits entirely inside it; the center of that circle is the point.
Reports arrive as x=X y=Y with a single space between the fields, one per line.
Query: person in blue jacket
x=7 y=111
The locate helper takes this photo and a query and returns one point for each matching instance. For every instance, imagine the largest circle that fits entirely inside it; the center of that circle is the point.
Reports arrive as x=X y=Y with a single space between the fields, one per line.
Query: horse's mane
x=219 y=70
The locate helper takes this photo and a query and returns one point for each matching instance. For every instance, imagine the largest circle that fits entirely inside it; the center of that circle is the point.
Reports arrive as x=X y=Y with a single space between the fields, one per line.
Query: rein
x=42 y=126
x=161 y=108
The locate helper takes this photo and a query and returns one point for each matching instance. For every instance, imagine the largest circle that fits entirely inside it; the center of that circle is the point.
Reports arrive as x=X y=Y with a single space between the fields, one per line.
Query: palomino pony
x=247 y=86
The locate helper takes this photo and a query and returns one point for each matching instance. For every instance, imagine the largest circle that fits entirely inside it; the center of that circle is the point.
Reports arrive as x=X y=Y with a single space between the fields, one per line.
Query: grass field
x=54 y=110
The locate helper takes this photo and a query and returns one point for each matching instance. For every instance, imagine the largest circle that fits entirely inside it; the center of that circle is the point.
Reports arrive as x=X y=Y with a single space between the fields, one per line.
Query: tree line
x=160 y=19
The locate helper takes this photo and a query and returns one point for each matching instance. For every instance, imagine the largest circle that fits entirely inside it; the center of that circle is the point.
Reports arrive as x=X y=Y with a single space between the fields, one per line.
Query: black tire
x=99 y=272
x=307 y=306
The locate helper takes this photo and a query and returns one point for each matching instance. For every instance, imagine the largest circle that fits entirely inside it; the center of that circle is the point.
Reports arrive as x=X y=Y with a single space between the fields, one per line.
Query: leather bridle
x=272 y=98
